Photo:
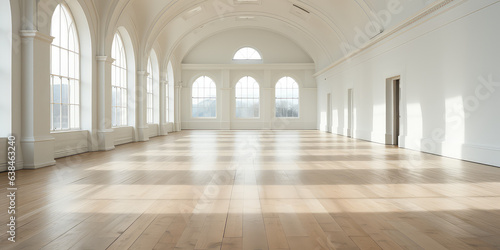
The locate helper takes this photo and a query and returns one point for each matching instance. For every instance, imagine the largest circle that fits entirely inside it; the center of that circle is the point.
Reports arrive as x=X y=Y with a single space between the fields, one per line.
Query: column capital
x=179 y=84
x=107 y=59
x=35 y=34
x=142 y=73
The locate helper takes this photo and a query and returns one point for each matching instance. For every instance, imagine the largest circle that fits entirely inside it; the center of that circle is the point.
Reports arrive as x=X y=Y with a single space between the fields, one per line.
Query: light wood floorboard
x=256 y=190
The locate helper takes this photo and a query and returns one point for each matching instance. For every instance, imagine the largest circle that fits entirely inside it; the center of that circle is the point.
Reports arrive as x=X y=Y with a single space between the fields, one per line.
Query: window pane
x=71 y=40
x=124 y=98
x=64 y=116
x=247 y=53
x=64 y=63
x=65 y=91
x=117 y=97
x=113 y=116
x=77 y=66
x=72 y=92
x=55 y=25
x=287 y=98
x=64 y=31
x=77 y=93
x=71 y=65
x=247 y=98
x=56 y=86
x=124 y=117
x=56 y=116
x=55 y=61
x=77 y=116
x=204 y=98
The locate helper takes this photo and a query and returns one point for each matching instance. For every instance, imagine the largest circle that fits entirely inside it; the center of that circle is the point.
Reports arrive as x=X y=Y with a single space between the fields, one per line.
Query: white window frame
x=213 y=86
x=247 y=54
x=119 y=86
x=240 y=97
x=71 y=75
x=288 y=95
x=150 y=94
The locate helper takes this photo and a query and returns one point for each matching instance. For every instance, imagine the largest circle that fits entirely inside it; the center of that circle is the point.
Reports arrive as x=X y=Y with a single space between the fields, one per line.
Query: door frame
x=350 y=113
x=393 y=111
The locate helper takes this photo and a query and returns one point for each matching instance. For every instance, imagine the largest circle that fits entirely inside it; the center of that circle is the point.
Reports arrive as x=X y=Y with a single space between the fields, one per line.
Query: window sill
x=288 y=118
x=252 y=118
x=122 y=127
x=67 y=131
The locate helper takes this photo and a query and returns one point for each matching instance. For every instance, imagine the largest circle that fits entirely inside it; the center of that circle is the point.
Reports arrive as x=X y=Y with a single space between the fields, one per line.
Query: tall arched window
x=119 y=83
x=247 y=53
x=287 y=98
x=64 y=72
x=247 y=98
x=150 y=96
x=204 y=98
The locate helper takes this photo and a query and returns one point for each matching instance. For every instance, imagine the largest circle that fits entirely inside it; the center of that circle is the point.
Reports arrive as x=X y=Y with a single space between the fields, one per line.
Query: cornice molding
x=281 y=66
x=433 y=8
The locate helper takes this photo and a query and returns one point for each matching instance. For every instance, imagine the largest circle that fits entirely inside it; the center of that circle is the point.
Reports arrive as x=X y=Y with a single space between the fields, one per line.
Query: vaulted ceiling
x=320 y=27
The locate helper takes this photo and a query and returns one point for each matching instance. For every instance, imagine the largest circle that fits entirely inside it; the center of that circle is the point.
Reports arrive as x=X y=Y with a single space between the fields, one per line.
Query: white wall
x=226 y=77
x=71 y=143
x=124 y=135
x=447 y=108
x=220 y=48
x=280 y=57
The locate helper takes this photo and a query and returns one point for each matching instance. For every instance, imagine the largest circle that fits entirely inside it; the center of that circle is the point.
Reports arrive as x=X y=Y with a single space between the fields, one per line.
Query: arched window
x=204 y=98
x=150 y=96
x=247 y=53
x=287 y=98
x=64 y=72
x=247 y=98
x=119 y=83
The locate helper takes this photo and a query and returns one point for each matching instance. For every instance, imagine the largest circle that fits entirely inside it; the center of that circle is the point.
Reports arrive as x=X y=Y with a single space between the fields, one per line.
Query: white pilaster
x=163 y=106
x=36 y=142
x=267 y=106
x=142 y=108
x=178 y=95
x=225 y=92
x=105 y=133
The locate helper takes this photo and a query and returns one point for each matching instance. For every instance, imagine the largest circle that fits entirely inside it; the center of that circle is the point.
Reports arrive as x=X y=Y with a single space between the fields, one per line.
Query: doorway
x=393 y=104
x=350 y=113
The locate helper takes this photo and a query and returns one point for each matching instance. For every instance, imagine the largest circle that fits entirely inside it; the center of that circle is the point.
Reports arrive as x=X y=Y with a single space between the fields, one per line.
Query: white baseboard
x=483 y=154
x=19 y=166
